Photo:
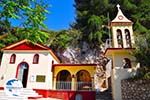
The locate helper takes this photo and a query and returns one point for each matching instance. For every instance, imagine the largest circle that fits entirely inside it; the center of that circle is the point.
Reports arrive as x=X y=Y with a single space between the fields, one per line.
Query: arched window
x=12 y=59
x=119 y=38
x=36 y=59
x=128 y=38
x=126 y=63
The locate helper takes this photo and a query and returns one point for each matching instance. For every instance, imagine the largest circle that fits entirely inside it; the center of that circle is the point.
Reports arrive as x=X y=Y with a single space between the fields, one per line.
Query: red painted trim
x=34 y=98
x=66 y=95
x=12 y=44
x=118 y=49
x=12 y=59
x=9 y=47
x=74 y=64
x=1 y=88
x=36 y=56
x=121 y=23
x=18 y=70
x=63 y=94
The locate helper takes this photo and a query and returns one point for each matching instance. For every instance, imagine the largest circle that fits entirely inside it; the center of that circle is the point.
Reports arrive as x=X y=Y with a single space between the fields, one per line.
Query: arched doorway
x=22 y=73
x=84 y=81
x=63 y=80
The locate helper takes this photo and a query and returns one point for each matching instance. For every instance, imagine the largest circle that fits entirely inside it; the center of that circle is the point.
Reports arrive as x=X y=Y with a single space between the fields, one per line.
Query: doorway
x=22 y=73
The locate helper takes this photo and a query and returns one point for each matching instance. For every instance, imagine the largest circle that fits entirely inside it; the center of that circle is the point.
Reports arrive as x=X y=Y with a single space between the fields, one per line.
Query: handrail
x=80 y=86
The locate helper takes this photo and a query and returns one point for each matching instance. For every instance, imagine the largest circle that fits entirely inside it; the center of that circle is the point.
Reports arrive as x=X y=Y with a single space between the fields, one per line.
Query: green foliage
x=142 y=51
x=147 y=75
x=143 y=73
x=64 y=38
x=31 y=14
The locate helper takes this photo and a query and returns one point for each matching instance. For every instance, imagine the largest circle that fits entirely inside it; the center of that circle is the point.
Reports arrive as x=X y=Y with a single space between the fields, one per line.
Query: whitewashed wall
x=119 y=74
x=42 y=68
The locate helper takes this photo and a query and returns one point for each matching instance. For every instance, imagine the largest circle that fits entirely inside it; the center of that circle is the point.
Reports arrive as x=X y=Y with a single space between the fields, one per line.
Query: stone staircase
x=105 y=95
x=26 y=93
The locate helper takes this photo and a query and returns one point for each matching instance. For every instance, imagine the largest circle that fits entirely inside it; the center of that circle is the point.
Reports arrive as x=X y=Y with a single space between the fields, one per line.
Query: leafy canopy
x=30 y=14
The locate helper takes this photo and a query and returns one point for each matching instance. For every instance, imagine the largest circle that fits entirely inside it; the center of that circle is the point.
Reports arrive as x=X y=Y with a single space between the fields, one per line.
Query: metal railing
x=80 y=86
x=84 y=86
x=62 y=85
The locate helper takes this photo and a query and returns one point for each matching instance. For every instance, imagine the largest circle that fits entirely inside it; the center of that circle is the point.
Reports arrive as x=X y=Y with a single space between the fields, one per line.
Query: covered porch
x=74 y=77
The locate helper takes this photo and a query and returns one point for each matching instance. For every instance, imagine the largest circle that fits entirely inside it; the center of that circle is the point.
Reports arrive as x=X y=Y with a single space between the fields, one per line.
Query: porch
x=73 y=77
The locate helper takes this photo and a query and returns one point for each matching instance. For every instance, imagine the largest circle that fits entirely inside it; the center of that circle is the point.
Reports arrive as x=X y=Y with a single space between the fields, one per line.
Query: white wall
x=118 y=61
x=117 y=75
x=42 y=68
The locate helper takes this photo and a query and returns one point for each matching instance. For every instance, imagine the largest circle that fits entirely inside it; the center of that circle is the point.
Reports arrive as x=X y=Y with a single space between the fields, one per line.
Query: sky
x=62 y=14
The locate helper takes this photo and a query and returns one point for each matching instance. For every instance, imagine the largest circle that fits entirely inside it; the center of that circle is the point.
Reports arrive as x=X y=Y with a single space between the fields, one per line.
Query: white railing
x=84 y=86
x=80 y=86
x=62 y=85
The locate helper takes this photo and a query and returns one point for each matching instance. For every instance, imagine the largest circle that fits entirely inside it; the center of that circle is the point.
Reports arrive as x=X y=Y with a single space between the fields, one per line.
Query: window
x=119 y=38
x=128 y=38
x=36 y=59
x=126 y=63
x=12 y=59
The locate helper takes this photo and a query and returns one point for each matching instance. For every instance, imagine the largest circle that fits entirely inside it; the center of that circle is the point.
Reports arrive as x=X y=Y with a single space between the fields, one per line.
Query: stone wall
x=135 y=89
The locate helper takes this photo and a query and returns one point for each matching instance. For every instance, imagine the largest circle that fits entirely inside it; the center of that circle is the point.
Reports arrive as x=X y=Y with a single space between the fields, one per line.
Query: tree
x=142 y=51
x=64 y=38
x=92 y=15
x=89 y=21
x=30 y=13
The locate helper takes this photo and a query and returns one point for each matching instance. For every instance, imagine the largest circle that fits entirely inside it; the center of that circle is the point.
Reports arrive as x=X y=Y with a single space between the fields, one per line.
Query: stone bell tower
x=122 y=32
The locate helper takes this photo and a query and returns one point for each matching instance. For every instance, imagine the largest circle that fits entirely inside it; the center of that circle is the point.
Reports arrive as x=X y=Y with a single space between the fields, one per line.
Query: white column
x=54 y=82
x=73 y=85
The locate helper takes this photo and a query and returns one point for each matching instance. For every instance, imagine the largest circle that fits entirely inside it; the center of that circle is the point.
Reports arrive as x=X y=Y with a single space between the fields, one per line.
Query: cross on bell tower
x=118 y=6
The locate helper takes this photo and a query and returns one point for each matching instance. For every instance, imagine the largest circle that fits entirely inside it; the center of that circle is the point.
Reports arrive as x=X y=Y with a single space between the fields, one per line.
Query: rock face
x=135 y=89
x=82 y=55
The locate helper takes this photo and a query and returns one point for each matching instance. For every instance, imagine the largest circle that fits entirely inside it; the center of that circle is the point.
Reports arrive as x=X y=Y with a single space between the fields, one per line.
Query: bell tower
x=122 y=32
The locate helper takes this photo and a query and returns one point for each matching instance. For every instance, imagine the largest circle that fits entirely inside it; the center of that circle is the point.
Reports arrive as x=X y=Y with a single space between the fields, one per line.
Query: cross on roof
x=118 y=6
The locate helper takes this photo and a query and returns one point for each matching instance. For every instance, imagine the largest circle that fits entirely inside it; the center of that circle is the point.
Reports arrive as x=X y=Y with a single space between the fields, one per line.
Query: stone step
x=13 y=98
x=24 y=94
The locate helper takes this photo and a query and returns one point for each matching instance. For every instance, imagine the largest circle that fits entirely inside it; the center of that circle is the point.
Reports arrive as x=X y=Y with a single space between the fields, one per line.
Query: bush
x=142 y=73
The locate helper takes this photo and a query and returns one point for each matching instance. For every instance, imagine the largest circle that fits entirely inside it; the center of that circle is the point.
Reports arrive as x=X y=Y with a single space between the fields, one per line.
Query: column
x=92 y=79
x=54 y=82
x=73 y=85
x=124 y=38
